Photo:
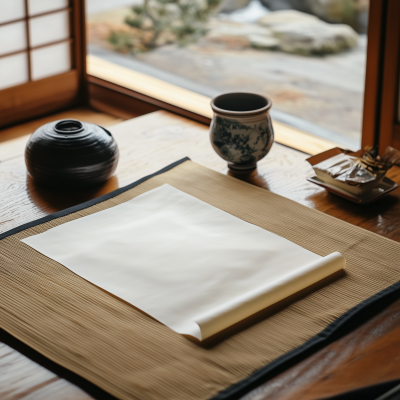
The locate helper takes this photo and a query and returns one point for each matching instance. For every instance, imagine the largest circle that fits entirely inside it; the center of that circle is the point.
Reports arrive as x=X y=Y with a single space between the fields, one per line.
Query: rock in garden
x=301 y=33
x=219 y=28
x=350 y=12
x=275 y=5
x=237 y=35
x=228 y=6
x=263 y=42
x=283 y=17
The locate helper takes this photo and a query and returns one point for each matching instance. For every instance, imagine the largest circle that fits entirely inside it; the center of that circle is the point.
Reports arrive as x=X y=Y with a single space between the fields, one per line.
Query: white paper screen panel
x=50 y=60
x=11 y=10
x=49 y=28
x=12 y=37
x=14 y=70
x=41 y=6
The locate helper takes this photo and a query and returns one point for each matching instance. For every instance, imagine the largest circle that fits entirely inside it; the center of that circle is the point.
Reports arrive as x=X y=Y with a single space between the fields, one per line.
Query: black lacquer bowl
x=71 y=154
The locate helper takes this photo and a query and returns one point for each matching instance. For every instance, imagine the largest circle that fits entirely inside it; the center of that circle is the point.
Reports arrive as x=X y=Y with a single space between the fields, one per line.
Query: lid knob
x=69 y=126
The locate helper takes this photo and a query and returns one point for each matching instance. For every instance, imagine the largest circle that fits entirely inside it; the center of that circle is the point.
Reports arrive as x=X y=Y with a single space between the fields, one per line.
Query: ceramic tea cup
x=241 y=131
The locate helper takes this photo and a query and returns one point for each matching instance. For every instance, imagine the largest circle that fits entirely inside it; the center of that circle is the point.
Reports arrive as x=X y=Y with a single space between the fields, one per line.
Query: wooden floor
x=367 y=355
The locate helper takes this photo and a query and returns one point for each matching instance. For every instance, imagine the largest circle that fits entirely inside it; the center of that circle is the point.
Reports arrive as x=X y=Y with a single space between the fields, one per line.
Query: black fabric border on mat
x=340 y=327
x=337 y=329
x=89 y=203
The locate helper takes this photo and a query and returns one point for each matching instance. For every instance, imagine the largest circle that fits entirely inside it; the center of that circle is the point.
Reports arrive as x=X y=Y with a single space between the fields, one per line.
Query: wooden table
x=368 y=355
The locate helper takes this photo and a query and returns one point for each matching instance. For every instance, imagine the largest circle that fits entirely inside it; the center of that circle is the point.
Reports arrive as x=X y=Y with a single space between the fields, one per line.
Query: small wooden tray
x=317 y=158
x=385 y=187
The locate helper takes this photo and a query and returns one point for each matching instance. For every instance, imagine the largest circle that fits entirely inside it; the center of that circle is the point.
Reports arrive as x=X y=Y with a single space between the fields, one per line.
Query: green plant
x=121 y=41
x=156 y=22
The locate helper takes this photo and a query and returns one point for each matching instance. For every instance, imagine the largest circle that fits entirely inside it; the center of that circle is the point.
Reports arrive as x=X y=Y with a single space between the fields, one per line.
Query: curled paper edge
x=228 y=314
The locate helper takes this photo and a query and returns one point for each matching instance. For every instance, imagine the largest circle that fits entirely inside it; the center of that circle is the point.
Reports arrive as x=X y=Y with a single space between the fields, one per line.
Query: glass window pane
x=12 y=37
x=14 y=70
x=11 y=10
x=50 y=60
x=42 y=6
x=49 y=28
x=309 y=59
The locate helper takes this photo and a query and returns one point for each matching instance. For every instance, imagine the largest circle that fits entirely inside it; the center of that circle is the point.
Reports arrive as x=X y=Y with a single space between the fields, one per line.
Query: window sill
x=196 y=104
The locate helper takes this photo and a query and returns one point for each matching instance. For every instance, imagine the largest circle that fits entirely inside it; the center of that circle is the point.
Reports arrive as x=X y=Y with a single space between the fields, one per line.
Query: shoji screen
x=41 y=57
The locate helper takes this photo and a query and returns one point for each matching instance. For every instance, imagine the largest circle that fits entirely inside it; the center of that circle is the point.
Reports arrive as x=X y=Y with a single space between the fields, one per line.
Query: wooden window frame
x=381 y=127
x=44 y=96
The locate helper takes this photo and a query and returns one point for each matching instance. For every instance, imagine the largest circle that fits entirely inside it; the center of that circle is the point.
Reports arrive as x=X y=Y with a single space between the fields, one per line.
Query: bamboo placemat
x=130 y=355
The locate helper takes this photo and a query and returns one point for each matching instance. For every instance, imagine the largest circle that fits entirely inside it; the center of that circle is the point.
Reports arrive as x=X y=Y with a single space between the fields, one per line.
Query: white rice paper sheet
x=191 y=266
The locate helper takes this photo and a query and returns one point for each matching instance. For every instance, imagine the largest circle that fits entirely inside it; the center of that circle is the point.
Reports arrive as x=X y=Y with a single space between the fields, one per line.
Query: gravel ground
x=324 y=91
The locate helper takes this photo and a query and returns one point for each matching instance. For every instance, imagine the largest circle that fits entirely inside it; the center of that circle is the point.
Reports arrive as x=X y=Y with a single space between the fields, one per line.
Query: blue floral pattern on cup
x=241 y=143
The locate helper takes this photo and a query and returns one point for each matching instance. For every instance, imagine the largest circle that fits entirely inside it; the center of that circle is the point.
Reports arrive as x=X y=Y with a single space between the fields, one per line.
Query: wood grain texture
x=364 y=357
x=21 y=378
x=31 y=99
x=151 y=142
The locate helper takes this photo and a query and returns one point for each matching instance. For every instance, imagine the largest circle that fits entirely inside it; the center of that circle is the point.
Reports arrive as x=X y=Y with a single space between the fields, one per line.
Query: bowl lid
x=69 y=126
